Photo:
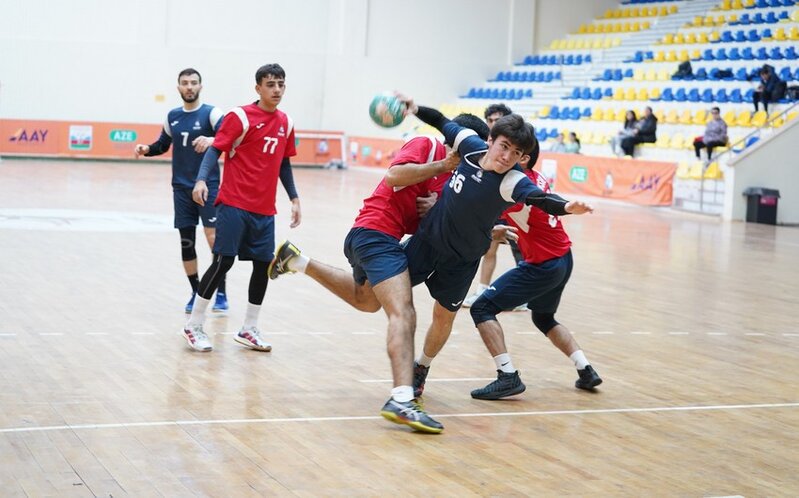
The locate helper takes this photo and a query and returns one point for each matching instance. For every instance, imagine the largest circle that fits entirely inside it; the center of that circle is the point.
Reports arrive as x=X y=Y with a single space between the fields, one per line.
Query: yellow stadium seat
x=708 y=22
x=737 y=5
x=697 y=21
x=733 y=18
x=582 y=29
x=702 y=38
x=696 y=54
x=645 y=25
x=596 y=44
x=686 y=117
x=616 y=42
x=629 y=94
x=749 y=3
x=635 y=12
x=597 y=114
x=671 y=56
x=779 y=34
x=684 y=56
x=729 y=117
x=683 y=170
x=690 y=38
x=743 y=119
x=608 y=14
x=654 y=93
x=663 y=140
x=791 y=116
x=713 y=172
x=626 y=27
x=673 y=9
x=677 y=141
x=759 y=119
x=695 y=171
x=679 y=39
x=650 y=75
x=663 y=11
x=653 y=12
x=569 y=44
x=590 y=29
x=599 y=138
x=795 y=15
x=619 y=115
x=672 y=117
x=663 y=75
x=578 y=44
x=618 y=94
x=794 y=34
x=554 y=45
x=658 y=114
x=586 y=136
x=668 y=39
x=642 y=94
x=638 y=74
x=726 y=5
x=721 y=20
x=700 y=117
x=544 y=112
x=636 y=26
x=659 y=56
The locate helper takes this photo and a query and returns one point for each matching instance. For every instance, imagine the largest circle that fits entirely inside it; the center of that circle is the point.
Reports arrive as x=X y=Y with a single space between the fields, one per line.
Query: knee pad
x=544 y=321
x=484 y=310
x=187 y=243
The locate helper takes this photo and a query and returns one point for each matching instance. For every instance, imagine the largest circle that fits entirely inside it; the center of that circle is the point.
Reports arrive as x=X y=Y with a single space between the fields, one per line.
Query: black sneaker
x=283 y=254
x=410 y=413
x=419 y=376
x=588 y=380
x=507 y=384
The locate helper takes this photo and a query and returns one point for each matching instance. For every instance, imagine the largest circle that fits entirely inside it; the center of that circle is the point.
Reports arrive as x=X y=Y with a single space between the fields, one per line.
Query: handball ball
x=387 y=110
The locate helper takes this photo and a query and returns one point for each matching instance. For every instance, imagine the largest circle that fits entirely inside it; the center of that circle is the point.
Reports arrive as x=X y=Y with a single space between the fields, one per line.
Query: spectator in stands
x=768 y=90
x=630 y=120
x=715 y=134
x=645 y=132
x=494 y=112
x=559 y=145
x=573 y=145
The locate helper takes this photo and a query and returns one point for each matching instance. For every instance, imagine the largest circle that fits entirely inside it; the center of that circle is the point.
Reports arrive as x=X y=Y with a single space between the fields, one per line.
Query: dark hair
x=473 y=123
x=495 y=108
x=188 y=72
x=514 y=128
x=269 y=69
x=574 y=136
x=536 y=150
x=630 y=122
x=715 y=109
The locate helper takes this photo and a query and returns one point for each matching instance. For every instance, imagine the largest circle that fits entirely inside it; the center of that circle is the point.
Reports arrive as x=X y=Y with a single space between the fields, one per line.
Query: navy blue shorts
x=540 y=286
x=187 y=212
x=373 y=255
x=447 y=279
x=249 y=236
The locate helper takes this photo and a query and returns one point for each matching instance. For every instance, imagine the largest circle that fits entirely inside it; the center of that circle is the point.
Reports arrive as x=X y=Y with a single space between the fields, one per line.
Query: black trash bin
x=761 y=205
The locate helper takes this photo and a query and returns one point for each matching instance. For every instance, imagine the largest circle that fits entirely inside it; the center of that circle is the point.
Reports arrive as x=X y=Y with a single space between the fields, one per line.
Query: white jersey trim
x=214 y=117
x=512 y=178
x=461 y=136
x=245 y=126
x=167 y=128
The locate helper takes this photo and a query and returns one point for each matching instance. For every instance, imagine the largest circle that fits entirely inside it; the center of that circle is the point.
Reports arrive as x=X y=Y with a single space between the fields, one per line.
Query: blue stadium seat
x=574 y=114
x=587 y=58
x=747 y=54
x=628 y=73
x=549 y=76
x=761 y=54
x=753 y=36
x=667 y=95
x=721 y=55
x=744 y=19
x=796 y=75
x=708 y=55
x=775 y=54
x=726 y=37
x=766 y=33
x=748 y=96
x=758 y=19
x=736 y=97
x=528 y=93
x=785 y=74
x=541 y=134
x=578 y=59
x=734 y=54
x=596 y=94
x=740 y=36
x=554 y=113
x=701 y=74
x=586 y=112
x=585 y=93
x=493 y=93
x=637 y=57
x=721 y=96
x=707 y=95
x=574 y=95
x=503 y=94
x=680 y=95
x=693 y=95
x=790 y=53
x=771 y=18
x=607 y=92
x=784 y=15
x=740 y=74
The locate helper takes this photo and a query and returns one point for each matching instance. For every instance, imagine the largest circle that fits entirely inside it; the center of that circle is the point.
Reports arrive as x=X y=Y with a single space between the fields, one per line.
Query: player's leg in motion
x=193 y=330
x=437 y=335
x=563 y=339
x=220 y=303
x=188 y=254
x=289 y=259
x=249 y=335
x=487 y=268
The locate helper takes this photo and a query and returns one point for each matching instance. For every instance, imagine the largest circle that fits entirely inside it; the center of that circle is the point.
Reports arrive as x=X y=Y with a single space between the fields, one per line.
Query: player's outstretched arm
x=402 y=175
x=156 y=148
x=555 y=204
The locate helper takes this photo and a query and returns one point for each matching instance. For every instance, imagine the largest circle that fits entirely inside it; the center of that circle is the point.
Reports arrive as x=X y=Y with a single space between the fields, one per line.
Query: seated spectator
x=715 y=134
x=769 y=90
x=627 y=131
x=558 y=145
x=644 y=132
x=573 y=145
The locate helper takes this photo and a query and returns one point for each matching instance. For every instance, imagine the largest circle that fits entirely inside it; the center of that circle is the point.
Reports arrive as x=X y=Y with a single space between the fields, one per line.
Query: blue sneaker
x=190 y=304
x=220 y=305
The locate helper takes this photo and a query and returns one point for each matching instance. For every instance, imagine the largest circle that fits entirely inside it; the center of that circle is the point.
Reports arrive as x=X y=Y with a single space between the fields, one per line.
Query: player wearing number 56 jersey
x=538 y=282
x=258 y=140
x=191 y=128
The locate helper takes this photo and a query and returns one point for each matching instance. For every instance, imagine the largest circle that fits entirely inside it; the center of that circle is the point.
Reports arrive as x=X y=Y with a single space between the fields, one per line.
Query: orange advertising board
x=83 y=139
x=640 y=182
x=369 y=151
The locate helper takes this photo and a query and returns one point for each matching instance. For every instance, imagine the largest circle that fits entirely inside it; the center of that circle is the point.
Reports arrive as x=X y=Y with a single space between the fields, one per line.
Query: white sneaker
x=469 y=301
x=521 y=307
x=198 y=340
x=251 y=337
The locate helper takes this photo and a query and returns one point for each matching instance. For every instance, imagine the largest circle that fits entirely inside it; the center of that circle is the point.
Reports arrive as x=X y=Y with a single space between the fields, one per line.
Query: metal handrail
x=730 y=150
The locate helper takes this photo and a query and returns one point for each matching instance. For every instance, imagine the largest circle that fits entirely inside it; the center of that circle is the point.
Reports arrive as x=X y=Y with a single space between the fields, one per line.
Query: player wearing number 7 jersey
x=258 y=139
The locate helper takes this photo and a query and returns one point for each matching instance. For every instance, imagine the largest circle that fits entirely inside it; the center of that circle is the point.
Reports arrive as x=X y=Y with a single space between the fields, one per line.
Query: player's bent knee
x=544 y=322
x=188 y=242
x=484 y=310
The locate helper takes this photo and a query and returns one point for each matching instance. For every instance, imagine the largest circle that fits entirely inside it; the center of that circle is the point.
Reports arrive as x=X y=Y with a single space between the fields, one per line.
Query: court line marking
x=8 y=335
x=180 y=423
x=362 y=333
x=754 y=333
x=791 y=335
x=716 y=333
x=452 y=379
x=96 y=333
x=320 y=333
x=639 y=332
x=144 y=333
x=50 y=333
x=679 y=333
x=603 y=332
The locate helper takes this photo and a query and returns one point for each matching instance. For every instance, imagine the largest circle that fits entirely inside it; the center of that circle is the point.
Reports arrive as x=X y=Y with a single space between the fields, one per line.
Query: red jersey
x=256 y=142
x=392 y=210
x=541 y=235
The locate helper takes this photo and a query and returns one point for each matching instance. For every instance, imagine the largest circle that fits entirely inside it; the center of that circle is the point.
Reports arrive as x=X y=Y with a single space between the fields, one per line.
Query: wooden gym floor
x=690 y=322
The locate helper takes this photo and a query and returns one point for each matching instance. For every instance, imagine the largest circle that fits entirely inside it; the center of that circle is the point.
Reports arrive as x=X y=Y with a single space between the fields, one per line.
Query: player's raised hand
x=202 y=143
x=296 y=213
x=578 y=207
x=504 y=234
x=410 y=105
x=200 y=193
x=140 y=150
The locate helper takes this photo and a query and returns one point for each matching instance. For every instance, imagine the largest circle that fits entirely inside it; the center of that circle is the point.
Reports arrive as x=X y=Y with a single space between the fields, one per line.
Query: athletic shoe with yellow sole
x=283 y=254
x=411 y=414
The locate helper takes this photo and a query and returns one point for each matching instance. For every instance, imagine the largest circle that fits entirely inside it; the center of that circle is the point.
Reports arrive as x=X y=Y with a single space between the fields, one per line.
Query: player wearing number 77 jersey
x=258 y=139
x=538 y=282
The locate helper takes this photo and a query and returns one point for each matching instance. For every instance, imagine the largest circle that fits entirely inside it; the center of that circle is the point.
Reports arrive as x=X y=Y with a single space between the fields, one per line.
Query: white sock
x=579 y=359
x=251 y=317
x=504 y=363
x=402 y=394
x=424 y=360
x=198 y=311
x=299 y=263
x=481 y=288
